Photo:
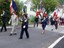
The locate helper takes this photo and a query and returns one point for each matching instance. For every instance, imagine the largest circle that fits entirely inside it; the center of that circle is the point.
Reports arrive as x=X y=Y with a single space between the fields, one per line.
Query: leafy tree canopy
x=49 y=5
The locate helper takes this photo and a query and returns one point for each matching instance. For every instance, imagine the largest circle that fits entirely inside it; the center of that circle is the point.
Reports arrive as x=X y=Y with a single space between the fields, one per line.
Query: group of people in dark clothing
x=43 y=20
x=24 y=26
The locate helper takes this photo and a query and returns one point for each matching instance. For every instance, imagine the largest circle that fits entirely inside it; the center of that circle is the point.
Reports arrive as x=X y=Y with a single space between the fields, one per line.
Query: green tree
x=4 y=4
x=61 y=2
x=19 y=5
x=35 y=4
x=49 y=5
x=0 y=0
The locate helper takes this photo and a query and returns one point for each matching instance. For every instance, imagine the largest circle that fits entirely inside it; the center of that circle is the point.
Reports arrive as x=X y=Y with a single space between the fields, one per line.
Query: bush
x=5 y=4
x=31 y=19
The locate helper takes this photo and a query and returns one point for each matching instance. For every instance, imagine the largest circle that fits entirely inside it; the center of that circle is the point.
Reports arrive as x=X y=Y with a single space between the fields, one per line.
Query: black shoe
x=0 y=31
x=20 y=38
x=5 y=31
x=27 y=37
x=15 y=34
x=10 y=34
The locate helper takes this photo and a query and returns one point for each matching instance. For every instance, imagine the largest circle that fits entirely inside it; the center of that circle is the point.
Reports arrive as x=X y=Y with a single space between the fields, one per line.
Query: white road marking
x=52 y=45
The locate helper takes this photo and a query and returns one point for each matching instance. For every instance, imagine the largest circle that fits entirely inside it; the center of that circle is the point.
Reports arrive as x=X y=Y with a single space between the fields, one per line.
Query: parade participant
x=14 y=17
x=56 y=22
x=36 y=19
x=52 y=22
x=4 y=18
x=47 y=18
x=14 y=23
x=54 y=18
x=44 y=14
x=44 y=23
x=24 y=26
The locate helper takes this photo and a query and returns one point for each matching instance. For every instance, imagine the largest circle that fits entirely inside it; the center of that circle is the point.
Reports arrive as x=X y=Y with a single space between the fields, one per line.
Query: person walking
x=14 y=17
x=44 y=23
x=14 y=23
x=36 y=21
x=24 y=26
x=4 y=20
x=52 y=22
x=56 y=22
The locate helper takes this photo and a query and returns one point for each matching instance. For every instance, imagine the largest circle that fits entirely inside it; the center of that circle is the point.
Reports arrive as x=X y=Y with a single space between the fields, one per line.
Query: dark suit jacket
x=4 y=17
x=25 y=23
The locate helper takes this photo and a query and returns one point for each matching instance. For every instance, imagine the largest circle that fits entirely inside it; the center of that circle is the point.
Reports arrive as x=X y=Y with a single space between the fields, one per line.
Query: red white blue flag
x=13 y=7
x=41 y=6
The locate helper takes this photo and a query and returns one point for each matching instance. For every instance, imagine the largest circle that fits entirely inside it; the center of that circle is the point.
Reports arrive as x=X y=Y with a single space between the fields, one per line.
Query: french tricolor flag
x=13 y=7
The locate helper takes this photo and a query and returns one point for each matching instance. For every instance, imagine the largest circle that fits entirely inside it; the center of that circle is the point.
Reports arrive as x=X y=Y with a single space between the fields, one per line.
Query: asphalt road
x=36 y=40
x=60 y=44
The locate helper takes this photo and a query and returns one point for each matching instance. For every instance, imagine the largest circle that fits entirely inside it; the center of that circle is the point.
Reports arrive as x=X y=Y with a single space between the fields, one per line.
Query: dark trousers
x=22 y=32
x=35 y=23
x=43 y=26
x=56 y=25
x=3 y=26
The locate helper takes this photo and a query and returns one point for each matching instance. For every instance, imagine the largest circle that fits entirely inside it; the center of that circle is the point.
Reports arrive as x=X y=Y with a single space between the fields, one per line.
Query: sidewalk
x=48 y=27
